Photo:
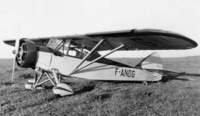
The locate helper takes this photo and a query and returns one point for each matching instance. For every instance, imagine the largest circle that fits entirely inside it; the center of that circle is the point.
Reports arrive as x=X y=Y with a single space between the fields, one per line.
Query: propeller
x=14 y=59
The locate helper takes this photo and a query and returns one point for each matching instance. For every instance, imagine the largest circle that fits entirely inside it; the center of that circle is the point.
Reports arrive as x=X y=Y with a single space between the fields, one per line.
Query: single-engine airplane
x=78 y=56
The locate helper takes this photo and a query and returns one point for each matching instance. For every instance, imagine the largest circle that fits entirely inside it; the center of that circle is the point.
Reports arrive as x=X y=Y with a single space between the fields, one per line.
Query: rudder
x=153 y=61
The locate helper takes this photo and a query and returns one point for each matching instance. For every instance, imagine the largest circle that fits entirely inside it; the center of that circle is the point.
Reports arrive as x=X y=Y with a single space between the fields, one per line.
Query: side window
x=72 y=53
x=75 y=51
x=78 y=52
x=67 y=48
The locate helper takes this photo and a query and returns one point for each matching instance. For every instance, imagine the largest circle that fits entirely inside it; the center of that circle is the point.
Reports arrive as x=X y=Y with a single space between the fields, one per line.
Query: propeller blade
x=14 y=59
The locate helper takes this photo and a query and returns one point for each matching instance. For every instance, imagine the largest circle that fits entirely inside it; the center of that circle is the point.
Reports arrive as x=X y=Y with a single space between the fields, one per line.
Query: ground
x=176 y=95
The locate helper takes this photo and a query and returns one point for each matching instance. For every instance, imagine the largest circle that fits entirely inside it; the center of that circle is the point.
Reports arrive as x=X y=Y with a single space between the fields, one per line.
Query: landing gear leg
x=60 y=89
x=31 y=84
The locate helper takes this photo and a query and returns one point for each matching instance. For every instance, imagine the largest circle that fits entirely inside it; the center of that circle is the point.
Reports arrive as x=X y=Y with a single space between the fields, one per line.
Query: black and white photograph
x=99 y=58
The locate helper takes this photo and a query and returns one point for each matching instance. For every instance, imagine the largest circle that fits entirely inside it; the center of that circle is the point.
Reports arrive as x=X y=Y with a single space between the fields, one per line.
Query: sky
x=40 y=18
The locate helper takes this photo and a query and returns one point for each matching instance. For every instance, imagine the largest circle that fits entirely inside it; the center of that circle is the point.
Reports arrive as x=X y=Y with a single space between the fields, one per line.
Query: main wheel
x=62 y=89
x=30 y=83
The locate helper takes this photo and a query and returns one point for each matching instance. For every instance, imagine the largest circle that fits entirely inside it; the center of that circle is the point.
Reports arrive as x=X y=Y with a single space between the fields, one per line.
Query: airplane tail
x=152 y=62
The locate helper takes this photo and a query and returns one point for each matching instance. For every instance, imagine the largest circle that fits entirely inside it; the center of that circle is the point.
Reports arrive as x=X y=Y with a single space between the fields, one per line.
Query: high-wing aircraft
x=78 y=56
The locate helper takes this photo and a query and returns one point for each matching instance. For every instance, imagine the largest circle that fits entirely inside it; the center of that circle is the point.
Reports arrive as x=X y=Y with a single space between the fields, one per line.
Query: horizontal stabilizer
x=166 y=72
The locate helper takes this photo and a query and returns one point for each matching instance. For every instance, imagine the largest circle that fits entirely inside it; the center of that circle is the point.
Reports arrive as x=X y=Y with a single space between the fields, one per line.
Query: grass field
x=174 y=96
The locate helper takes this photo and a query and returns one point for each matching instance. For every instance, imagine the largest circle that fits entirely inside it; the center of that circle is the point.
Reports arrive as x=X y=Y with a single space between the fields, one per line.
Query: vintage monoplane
x=78 y=56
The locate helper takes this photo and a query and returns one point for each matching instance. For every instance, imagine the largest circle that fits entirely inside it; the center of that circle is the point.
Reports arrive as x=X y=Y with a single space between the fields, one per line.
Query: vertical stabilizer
x=153 y=61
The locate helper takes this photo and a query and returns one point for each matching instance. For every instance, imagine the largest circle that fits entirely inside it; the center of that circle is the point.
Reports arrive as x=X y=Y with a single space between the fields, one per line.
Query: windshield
x=54 y=44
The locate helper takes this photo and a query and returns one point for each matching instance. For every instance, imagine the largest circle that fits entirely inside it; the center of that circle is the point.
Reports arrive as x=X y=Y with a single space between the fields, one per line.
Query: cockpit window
x=66 y=48
x=78 y=52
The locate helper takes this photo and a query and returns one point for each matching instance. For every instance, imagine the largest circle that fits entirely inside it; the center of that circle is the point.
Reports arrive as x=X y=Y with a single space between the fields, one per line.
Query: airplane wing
x=135 y=39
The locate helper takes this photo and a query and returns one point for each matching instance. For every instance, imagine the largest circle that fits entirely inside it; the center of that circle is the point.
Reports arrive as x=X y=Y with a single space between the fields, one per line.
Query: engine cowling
x=27 y=54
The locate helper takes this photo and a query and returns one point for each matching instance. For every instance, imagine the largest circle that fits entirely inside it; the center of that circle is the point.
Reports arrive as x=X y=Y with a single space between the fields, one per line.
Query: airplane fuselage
x=96 y=71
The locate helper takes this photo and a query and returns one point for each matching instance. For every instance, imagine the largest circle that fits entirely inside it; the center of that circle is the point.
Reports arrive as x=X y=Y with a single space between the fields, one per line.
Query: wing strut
x=100 y=42
x=114 y=50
